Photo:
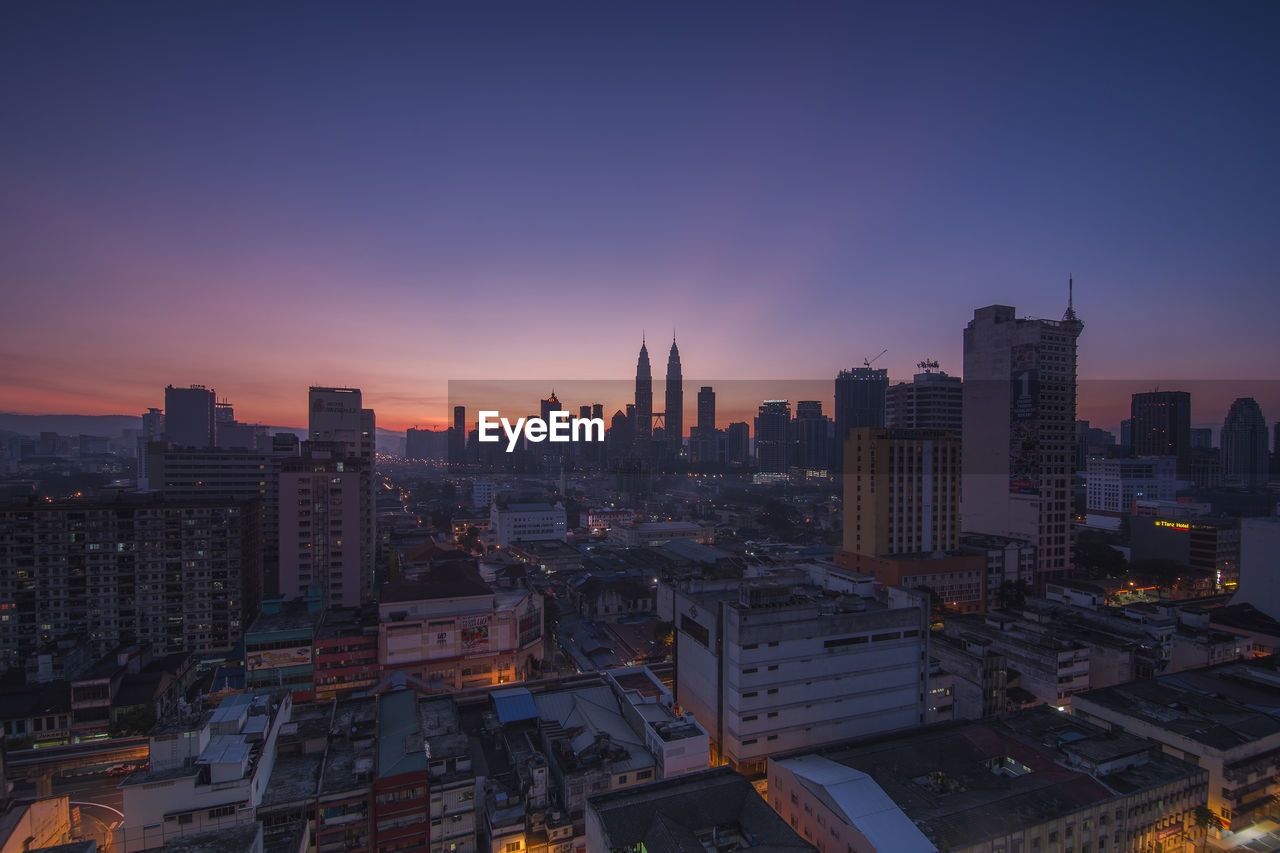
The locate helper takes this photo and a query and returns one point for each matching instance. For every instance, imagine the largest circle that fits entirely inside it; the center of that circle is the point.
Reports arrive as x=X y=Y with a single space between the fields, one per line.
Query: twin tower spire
x=673 y=417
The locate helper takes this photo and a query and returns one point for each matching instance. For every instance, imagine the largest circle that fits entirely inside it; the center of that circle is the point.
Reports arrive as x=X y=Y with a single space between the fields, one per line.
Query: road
x=100 y=790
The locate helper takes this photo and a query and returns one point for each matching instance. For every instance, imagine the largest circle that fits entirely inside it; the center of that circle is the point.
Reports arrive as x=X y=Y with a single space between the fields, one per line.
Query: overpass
x=41 y=765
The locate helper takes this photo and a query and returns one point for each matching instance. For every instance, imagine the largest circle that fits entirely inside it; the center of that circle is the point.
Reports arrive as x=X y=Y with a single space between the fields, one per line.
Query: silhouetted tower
x=642 y=423
x=675 y=401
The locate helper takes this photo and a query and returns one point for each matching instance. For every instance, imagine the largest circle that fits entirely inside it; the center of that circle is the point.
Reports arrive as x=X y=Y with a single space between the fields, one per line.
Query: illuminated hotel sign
x=1176 y=525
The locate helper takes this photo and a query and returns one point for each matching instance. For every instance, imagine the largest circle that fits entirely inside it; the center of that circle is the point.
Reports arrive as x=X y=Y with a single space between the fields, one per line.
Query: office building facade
x=931 y=400
x=189 y=419
x=860 y=402
x=336 y=415
x=1160 y=425
x=1244 y=445
x=1019 y=430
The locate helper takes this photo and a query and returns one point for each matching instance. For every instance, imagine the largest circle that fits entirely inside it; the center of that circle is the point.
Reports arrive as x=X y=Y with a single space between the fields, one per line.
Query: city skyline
x=391 y=200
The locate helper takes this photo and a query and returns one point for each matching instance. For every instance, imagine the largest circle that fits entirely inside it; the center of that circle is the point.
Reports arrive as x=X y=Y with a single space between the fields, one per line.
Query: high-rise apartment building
x=860 y=401
x=902 y=491
x=931 y=400
x=322 y=518
x=189 y=419
x=675 y=402
x=191 y=473
x=1160 y=425
x=902 y=514
x=1244 y=445
x=1019 y=430
x=336 y=415
x=180 y=574
x=773 y=430
x=642 y=422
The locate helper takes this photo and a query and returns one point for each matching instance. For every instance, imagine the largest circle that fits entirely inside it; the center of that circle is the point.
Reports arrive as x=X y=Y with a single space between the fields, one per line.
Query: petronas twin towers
x=673 y=417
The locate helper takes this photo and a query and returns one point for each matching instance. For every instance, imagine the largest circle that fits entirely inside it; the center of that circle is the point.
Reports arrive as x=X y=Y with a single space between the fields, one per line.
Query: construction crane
x=866 y=362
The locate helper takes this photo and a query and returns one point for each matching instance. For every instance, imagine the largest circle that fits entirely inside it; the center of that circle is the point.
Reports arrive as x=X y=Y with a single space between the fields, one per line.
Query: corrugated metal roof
x=514 y=704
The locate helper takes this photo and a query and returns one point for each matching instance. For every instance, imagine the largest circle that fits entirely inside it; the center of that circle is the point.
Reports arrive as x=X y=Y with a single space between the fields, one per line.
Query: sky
x=261 y=197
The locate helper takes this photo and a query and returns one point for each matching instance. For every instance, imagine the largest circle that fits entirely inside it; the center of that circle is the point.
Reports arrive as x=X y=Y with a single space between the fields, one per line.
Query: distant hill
x=112 y=426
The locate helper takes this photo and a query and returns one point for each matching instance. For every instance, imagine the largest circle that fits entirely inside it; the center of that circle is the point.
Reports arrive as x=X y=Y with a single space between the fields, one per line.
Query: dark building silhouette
x=773 y=429
x=1275 y=450
x=737 y=443
x=704 y=441
x=458 y=435
x=860 y=400
x=675 y=402
x=812 y=448
x=707 y=410
x=189 y=416
x=427 y=444
x=1160 y=425
x=642 y=421
x=1244 y=445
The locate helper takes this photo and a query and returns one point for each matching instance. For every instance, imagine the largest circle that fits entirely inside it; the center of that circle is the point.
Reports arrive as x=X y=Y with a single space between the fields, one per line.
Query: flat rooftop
x=293 y=616
x=962 y=783
x=294 y=778
x=1221 y=707
x=445 y=584
x=683 y=814
x=232 y=839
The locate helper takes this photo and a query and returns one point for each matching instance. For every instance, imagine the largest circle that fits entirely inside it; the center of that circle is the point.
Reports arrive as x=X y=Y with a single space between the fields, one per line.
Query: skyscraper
x=549 y=405
x=812 y=449
x=458 y=435
x=322 y=519
x=706 y=410
x=152 y=430
x=642 y=424
x=703 y=440
x=336 y=416
x=675 y=402
x=860 y=397
x=773 y=427
x=1275 y=449
x=1019 y=430
x=737 y=443
x=189 y=416
x=1160 y=425
x=931 y=400
x=1244 y=445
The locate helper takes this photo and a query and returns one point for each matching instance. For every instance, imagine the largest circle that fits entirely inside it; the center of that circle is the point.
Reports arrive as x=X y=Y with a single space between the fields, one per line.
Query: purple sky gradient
x=258 y=197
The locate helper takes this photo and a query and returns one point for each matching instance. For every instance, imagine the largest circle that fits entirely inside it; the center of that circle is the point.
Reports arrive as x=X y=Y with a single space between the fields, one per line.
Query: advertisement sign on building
x=1024 y=413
